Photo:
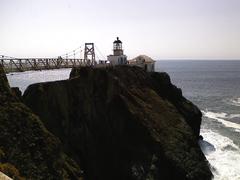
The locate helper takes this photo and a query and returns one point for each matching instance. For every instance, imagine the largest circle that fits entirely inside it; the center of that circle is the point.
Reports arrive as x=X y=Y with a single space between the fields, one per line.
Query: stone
x=123 y=123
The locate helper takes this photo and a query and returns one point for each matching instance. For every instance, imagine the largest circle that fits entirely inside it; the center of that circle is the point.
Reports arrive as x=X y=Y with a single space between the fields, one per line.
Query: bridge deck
x=28 y=64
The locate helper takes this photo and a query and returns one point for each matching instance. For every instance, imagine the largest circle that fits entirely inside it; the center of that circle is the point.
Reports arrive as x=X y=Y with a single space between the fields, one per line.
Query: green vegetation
x=26 y=146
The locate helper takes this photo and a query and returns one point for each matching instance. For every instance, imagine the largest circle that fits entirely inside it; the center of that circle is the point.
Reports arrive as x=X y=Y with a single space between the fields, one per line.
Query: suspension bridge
x=67 y=60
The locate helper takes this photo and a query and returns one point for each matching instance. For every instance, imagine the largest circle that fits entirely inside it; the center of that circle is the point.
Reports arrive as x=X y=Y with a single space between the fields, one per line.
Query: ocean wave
x=234 y=102
x=225 y=158
x=220 y=117
x=231 y=116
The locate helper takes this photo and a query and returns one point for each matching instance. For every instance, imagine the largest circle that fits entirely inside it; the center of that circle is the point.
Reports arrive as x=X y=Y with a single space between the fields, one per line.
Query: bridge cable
x=101 y=54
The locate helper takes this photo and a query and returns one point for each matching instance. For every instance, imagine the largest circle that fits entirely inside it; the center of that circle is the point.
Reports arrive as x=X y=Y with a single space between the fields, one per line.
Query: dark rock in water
x=27 y=148
x=123 y=123
x=206 y=147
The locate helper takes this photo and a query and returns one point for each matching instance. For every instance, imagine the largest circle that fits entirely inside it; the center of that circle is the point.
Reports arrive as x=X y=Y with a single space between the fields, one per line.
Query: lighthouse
x=118 y=57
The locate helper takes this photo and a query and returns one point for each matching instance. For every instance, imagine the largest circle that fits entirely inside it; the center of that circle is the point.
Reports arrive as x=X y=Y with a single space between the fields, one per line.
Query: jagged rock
x=17 y=92
x=123 y=123
x=27 y=149
x=4 y=88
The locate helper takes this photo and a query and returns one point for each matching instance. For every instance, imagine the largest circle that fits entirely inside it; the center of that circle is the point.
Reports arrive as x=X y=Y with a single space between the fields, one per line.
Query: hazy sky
x=162 y=29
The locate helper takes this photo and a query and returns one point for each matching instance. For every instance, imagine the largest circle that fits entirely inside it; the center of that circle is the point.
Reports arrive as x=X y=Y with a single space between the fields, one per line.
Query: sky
x=161 y=29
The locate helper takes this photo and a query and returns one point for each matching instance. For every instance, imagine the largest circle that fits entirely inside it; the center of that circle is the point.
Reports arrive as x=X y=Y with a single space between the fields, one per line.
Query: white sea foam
x=231 y=116
x=234 y=102
x=225 y=159
x=220 y=117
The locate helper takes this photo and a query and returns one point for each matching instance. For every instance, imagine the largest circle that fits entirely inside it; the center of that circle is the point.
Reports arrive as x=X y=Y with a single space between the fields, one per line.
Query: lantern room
x=117 y=47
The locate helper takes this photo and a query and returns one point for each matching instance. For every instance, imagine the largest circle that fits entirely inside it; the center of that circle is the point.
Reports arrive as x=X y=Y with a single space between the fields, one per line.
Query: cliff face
x=123 y=123
x=27 y=149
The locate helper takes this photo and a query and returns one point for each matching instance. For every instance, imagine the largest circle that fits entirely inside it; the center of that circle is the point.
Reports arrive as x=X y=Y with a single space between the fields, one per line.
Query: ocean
x=214 y=86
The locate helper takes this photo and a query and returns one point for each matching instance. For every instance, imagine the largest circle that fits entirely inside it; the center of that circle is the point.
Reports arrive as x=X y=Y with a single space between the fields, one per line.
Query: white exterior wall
x=113 y=59
x=117 y=60
x=143 y=61
x=150 y=67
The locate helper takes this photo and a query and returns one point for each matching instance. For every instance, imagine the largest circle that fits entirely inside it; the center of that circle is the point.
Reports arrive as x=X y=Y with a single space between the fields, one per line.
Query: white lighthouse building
x=118 y=58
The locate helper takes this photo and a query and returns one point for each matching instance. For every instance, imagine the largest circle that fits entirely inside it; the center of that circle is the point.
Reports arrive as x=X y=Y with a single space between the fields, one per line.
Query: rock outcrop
x=123 y=123
x=27 y=149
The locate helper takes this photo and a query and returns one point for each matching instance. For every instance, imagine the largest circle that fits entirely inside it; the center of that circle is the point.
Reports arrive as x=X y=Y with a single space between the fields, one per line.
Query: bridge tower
x=89 y=54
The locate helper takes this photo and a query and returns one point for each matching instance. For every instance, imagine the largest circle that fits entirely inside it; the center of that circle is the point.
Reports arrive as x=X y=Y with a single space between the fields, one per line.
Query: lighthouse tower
x=118 y=58
x=117 y=47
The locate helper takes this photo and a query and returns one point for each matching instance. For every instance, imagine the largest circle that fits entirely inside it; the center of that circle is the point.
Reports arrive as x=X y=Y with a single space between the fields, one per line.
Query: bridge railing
x=26 y=64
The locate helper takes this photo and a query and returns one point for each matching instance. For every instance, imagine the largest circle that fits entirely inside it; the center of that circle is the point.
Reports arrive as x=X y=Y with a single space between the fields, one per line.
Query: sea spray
x=225 y=158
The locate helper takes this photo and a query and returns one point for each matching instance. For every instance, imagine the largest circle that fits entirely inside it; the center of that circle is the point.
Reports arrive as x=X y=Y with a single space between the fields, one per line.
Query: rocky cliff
x=27 y=149
x=123 y=123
